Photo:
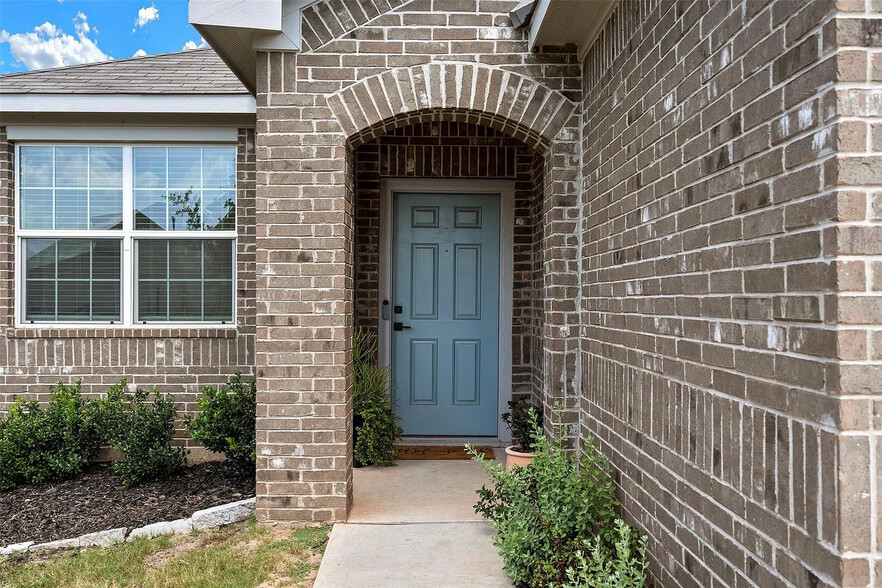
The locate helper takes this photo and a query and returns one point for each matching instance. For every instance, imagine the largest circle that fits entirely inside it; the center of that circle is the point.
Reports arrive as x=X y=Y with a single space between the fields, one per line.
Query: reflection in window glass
x=184 y=168
x=184 y=210
x=220 y=210
x=219 y=168
x=150 y=167
x=70 y=188
x=36 y=167
x=185 y=188
x=71 y=167
x=105 y=167
x=151 y=210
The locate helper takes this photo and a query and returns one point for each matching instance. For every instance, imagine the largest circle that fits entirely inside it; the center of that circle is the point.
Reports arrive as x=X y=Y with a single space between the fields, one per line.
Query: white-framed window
x=128 y=235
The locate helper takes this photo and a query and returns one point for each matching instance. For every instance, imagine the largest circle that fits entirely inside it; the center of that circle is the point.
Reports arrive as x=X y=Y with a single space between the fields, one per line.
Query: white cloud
x=80 y=25
x=189 y=45
x=139 y=53
x=49 y=46
x=47 y=29
x=146 y=15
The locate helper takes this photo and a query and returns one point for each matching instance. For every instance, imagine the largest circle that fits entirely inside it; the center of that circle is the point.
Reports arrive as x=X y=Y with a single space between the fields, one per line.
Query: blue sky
x=48 y=33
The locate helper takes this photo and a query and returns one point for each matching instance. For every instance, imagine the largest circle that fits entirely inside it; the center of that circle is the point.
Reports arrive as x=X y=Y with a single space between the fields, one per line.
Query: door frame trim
x=505 y=190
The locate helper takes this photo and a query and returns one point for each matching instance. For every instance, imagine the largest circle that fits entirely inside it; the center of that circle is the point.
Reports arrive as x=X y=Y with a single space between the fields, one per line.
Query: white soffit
x=560 y=22
x=129 y=103
x=238 y=29
x=246 y=14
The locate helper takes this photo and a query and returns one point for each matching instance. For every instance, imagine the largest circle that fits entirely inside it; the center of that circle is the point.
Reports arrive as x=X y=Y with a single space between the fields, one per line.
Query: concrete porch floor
x=414 y=525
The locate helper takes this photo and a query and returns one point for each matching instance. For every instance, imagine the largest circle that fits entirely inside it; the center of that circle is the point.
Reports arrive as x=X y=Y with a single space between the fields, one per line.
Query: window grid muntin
x=167 y=187
x=55 y=189
x=58 y=281
x=126 y=236
x=168 y=280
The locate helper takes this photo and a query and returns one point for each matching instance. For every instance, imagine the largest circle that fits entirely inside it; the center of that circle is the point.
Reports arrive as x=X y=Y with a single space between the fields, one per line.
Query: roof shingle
x=199 y=71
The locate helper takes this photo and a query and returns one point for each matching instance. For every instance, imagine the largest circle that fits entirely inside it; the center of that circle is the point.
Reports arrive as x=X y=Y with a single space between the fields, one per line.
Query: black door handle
x=400 y=327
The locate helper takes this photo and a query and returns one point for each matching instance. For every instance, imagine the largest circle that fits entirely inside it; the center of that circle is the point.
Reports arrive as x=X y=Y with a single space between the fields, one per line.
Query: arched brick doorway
x=304 y=380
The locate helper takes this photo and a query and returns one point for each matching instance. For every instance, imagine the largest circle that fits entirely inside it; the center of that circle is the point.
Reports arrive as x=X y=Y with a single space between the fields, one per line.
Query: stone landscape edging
x=201 y=520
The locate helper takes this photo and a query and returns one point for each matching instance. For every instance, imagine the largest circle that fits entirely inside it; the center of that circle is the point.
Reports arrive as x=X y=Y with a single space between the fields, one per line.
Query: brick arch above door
x=466 y=92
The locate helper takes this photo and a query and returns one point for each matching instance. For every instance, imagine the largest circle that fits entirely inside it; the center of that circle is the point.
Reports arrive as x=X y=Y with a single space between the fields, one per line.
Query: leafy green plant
x=519 y=423
x=376 y=429
x=55 y=443
x=623 y=566
x=556 y=518
x=143 y=431
x=226 y=423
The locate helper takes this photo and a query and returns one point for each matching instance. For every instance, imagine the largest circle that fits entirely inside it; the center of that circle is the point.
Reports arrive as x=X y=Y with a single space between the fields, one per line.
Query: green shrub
x=226 y=423
x=598 y=566
x=55 y=443
x=376 y=430
x=143 y=431
x=519 y=422
x=556 y=518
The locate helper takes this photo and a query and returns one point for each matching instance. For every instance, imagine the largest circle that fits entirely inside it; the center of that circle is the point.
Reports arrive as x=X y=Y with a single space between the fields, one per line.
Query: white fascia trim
x=131 y=103
x=120 y=133
x=536 y=20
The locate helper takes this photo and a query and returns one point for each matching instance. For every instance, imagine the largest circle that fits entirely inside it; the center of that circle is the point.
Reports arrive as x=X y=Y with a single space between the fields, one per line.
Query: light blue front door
x=445 y=301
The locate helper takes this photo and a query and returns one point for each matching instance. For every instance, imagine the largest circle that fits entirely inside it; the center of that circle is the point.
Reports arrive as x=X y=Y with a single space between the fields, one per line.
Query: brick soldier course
x=697 y=265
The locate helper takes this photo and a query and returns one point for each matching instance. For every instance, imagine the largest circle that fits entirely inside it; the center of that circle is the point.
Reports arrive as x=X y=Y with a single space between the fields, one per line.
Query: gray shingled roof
x=199 y=71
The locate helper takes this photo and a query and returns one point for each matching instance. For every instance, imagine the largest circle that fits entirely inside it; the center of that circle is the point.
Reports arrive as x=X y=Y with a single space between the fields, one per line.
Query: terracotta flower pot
x=517 y=458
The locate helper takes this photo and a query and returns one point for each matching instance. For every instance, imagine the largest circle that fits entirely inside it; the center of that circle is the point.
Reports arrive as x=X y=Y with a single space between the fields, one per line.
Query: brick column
x=856 y=243
x=304 y=304
x=561 y=260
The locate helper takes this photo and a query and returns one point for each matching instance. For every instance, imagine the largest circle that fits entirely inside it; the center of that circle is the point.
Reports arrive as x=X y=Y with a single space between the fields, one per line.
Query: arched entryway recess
x=307 y=474
x=465 y=123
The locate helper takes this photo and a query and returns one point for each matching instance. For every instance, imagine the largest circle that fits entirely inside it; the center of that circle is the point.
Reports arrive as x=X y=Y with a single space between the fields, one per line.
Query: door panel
x=467 y=282
x=446 y=281
x=424 y=281
x=466 y=371
x=423 y=371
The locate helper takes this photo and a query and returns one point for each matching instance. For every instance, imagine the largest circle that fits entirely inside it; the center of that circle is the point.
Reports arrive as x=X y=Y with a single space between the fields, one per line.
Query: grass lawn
x=243 y=555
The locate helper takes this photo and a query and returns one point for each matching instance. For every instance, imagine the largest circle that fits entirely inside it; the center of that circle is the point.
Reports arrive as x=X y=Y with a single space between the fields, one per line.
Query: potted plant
x=519 y=422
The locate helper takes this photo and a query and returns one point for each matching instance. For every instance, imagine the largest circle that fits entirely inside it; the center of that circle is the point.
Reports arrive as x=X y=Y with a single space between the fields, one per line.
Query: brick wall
x=177 y=361
x=454 y=150
x=730 y=314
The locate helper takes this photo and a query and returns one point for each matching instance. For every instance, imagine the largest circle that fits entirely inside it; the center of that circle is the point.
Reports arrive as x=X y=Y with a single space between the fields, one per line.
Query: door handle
x=400 y=327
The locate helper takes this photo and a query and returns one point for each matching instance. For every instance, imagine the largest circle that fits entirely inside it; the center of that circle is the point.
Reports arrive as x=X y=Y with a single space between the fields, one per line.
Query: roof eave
x=563 y=22
x=233 y=46
x=238 y=29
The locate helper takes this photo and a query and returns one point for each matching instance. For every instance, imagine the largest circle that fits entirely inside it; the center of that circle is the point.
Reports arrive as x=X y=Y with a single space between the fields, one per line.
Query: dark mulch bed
x=97 y=500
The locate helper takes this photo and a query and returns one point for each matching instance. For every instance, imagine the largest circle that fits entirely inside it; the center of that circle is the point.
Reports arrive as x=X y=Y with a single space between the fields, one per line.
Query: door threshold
x=453 y=441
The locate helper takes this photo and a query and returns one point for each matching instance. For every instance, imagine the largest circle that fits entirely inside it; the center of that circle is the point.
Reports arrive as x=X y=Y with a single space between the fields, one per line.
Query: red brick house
x=665 y=216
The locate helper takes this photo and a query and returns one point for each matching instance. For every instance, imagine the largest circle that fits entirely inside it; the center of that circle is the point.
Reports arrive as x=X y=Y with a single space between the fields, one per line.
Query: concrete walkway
x=414 y=526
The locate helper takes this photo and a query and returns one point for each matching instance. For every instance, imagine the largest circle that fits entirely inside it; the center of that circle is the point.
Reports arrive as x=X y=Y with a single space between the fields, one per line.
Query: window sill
x=119 y=332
